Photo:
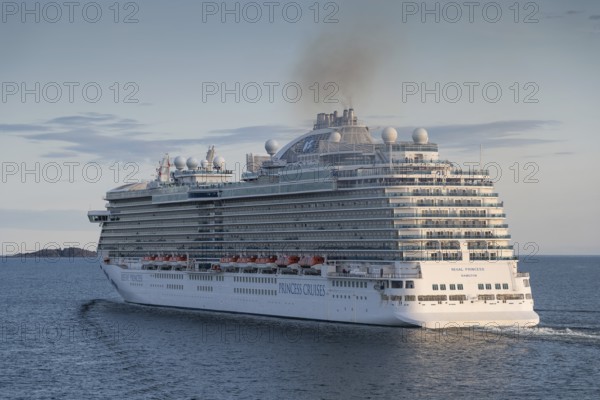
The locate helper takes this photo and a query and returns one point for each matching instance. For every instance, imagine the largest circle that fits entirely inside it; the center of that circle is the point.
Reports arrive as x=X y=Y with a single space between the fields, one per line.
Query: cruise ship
x=336 y=225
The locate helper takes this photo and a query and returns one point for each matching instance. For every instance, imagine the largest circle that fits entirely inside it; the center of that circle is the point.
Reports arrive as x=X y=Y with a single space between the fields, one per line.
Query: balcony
x=419 y=194
x=453 y=226
x=447 y=215
x=449 y=204
x=453 y=236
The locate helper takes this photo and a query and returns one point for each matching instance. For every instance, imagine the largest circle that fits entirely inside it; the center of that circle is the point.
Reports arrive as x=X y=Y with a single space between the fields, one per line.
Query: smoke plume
x=347 y=56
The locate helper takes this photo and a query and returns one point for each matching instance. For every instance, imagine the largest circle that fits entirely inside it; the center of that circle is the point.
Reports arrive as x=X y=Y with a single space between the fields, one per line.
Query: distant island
x=67 y=252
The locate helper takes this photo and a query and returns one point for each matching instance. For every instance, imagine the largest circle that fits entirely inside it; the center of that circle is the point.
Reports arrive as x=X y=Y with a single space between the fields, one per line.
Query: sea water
x=66 y=333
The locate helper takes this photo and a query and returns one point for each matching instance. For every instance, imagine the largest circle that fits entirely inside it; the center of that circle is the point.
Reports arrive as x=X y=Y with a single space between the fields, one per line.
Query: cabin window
x=526 y=282
x=488 y=286
x=435 y=286
x=396 y=284
x=443 y=286
x=505 y=286
x=480 y=286
x=452 y=286
x=410 y=284
x=497 y=286
x=460 y=286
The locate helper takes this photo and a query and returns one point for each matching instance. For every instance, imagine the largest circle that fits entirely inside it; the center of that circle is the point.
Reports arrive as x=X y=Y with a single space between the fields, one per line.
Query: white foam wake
x=549 y=332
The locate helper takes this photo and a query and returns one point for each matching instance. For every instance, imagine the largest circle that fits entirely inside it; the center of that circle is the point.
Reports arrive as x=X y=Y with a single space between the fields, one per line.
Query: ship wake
x=557 y=333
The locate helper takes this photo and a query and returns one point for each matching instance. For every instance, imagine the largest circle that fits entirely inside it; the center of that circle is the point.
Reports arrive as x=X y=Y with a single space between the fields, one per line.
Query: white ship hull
x=316 y=298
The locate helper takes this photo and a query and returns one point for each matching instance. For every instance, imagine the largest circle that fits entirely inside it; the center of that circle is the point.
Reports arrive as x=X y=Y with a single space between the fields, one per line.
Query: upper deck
x=338 y=153
x=334 y=191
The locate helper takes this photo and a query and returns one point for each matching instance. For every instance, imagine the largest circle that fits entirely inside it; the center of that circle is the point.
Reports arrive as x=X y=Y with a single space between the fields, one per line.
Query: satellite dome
x=192 y=163
x=389 y=135
x=335 y=137
x=271 y=146
x=219 y=162
x=204 y=164
x=420 y=136
x=179 y=162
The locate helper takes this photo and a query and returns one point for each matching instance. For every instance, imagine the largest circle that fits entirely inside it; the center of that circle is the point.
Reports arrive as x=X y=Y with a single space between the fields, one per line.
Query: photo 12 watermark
x=453 y=12
x=252 y=12
x=269 y=92
x=53 y=12
x=49 y=252
x=33 y=333
x=68 y=92
x=517 y=172
x=470 y=92
x=229 y=332
x=68 y=172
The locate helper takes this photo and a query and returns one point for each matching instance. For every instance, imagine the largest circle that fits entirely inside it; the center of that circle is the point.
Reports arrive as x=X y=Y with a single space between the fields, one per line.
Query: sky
x=94 y=93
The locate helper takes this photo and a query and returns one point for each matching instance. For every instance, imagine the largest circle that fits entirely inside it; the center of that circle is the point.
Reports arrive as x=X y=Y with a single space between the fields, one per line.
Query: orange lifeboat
x=280 y=261
x=266 y=260
x=291 y=260
x=246 y=261
x=228 y=261
x=309 y=261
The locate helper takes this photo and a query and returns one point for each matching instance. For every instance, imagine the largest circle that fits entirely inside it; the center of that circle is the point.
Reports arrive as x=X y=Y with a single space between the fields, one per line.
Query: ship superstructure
x=334 y=226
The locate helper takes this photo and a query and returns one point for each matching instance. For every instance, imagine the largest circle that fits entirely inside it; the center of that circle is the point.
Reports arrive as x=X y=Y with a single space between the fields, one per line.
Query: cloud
x=22 y=128
x=550 y=15
x=253 y=134
x=59 y=154
x=103 y=136
x=594 y=17
x=510 y=133
x=109 y=137
x=378 y=117
x=76 y=120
